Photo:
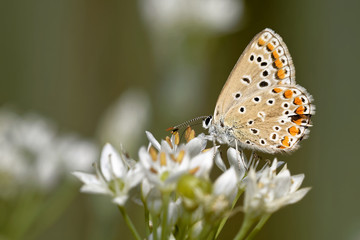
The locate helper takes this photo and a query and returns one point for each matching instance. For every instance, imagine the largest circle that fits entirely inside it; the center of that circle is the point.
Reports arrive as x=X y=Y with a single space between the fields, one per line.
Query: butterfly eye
x=207 y=122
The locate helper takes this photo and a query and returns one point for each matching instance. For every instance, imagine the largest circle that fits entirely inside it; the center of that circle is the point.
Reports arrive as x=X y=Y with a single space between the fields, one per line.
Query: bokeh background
x=91 y=67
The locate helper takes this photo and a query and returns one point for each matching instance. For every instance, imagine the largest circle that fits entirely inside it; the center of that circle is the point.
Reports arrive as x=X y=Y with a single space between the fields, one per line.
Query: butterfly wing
x=273 y=121
x=260 y=102
x=265 y=62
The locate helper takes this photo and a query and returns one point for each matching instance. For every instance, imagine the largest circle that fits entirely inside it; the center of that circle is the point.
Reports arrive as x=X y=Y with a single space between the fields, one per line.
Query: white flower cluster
x=33 y=155
x=178 y=195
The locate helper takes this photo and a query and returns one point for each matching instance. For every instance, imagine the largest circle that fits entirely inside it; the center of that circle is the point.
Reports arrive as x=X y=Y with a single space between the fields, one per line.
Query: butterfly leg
x=214 y=146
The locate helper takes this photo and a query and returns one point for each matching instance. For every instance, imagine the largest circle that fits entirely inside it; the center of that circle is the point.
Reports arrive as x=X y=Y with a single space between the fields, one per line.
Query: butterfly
x=260 y=106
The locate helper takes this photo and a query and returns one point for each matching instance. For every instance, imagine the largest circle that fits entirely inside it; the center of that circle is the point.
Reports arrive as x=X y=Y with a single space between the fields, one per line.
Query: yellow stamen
x=162 y=159
x=168 y=141
x=180 y=157
x=194 y=170
x=177 y=138
x=153 y=153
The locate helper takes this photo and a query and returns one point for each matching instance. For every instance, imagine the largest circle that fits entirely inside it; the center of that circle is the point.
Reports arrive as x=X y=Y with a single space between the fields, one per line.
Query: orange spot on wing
x=297 y=101
x=285 y=141
x=297 y=121
x=275 y=54
x=281 y=73
x=278 y=63
x=293 y=131
x=261 y=42
x=277 y=90
x=281 y=147
x=288 y=94
x=300 y=110
x=270 y=46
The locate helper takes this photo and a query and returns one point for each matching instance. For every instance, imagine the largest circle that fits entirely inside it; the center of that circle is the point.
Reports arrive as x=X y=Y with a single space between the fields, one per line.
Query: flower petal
x=237 y=162
x=282 y=183
x=111 y=163
x=195 y=146
x=219 y=162
x=120 y=200
x=92 y=184
x=297 y=181
x=298 y=195
x=204 y=162
x=153 y=141
x=226 y=184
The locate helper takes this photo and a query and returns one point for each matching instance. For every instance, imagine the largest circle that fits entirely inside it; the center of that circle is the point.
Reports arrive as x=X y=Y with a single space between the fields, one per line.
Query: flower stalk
x=258 y=226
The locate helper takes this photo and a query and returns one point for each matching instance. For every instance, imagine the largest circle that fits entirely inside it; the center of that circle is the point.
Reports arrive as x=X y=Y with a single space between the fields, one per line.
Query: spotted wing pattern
x=261 y=102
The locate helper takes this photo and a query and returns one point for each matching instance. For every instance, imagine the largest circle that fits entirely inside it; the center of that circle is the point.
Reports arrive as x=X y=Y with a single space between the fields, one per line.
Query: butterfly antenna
x=185 y=124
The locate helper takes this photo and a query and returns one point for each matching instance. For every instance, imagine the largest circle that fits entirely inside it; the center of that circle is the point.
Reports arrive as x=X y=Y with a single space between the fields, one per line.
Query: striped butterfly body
x=260 y=106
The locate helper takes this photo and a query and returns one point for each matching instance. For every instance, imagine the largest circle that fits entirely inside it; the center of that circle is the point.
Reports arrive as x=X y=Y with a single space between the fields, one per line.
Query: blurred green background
x=71 y=60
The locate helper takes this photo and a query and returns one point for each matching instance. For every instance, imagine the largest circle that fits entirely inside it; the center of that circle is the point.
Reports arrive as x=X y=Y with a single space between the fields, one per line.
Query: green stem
x=205 y=232
x=147 y=221
x=183 y=225
x=129 y=223
x=164 y=220
x=224 y=220
x=246 y=225
x=258 y=226
x=182 y=233
x=211 y=236
x=155 y=221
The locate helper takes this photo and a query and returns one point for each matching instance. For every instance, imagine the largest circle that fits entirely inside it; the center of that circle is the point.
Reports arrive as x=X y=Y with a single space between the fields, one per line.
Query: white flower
x=28 y=150
x=236 y=160
x=268 y=192
x=33 y=155
x=165 y=163
x=224 y=191
x=226 y=184
x=114 y=177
